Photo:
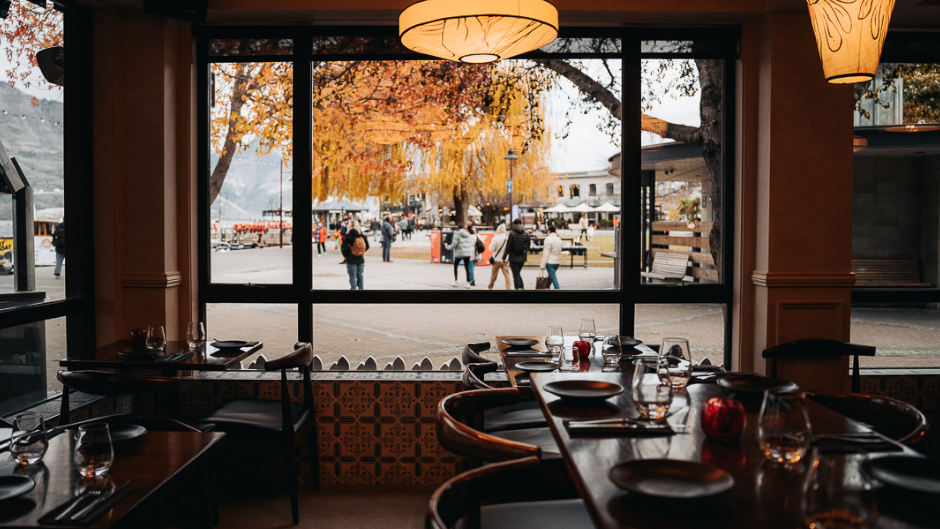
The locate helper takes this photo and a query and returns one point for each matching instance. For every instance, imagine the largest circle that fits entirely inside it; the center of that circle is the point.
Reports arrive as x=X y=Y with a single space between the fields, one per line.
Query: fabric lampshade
x=849 y=35
x=477 y=31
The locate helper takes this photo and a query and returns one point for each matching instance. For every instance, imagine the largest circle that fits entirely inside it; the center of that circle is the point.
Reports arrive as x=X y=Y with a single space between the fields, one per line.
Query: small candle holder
x=723 y=419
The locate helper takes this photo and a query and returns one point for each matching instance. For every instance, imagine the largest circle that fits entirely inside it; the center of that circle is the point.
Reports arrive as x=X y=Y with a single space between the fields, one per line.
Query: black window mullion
x=302 y=171
x=631 y=165
x=203 y=170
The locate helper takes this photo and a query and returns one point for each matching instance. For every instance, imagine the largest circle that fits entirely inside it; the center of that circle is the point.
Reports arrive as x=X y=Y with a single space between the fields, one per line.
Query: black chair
x=818 y=348
x=110 y=384
x=892 y=418
x=277 y=422
x=524 y=413
x=458 y=420
x=521 y=493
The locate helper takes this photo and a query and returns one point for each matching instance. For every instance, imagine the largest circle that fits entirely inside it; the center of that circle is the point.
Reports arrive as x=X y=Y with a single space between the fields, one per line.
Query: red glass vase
x=723 y=419
x=582 y=348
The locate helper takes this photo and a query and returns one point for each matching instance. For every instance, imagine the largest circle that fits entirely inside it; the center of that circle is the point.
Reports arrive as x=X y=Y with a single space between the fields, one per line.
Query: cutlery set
x=87 y=506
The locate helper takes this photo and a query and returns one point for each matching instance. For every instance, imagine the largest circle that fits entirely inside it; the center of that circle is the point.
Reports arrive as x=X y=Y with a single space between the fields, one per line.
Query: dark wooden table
x=153 y=463
x=595 y=363
x=208 y=359
x=764 y=495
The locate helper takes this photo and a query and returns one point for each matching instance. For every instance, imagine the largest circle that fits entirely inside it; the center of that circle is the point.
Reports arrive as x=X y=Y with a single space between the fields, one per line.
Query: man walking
x=388 y=235
x=58 y=241
x=518 y=248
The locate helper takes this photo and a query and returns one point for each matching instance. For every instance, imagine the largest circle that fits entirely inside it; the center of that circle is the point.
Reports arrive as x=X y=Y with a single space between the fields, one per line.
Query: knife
x=99 y=501
x=75 y=503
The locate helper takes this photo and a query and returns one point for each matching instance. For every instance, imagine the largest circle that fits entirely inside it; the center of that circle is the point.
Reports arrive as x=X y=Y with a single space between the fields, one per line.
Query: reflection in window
x=610 y=189
x=575 y=191
x=592 y=190
x=561 y=191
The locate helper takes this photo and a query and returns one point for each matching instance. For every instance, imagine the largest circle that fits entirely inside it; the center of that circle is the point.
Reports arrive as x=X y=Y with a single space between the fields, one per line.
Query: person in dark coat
x=58 y=242
x=388 y=235
x=355 y=264
x=518 y=250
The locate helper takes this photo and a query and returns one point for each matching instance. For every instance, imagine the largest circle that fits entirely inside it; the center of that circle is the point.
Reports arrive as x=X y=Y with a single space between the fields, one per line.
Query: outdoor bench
x=887 y=273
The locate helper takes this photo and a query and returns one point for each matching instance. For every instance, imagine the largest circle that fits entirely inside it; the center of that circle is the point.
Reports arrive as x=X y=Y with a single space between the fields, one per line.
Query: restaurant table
x=764 y=495
x=518 y=377
x=155 y=462
x=206 y=359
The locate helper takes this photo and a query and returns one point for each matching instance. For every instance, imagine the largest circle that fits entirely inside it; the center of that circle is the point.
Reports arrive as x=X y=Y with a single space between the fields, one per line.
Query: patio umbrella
x=607 y=207
x=582 y=208
x=558 y=208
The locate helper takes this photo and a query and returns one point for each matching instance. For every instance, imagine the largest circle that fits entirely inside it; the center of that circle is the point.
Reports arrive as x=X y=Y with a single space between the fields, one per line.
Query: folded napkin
x=78 y=507
x=618 y=427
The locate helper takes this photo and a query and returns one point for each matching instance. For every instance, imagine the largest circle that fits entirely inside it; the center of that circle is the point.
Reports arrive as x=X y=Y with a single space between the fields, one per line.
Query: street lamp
x=511 y=156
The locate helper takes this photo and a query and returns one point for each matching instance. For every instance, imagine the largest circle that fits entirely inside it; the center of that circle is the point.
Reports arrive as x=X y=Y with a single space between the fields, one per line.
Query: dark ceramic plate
x=906 y=472
x=13 y=486
x=230 y=344
x=536 y=365
x=584 y=390
x=519 y=342
x=142 y=352
x=750 y=383
x=122 y=434
x=627 y=342
x=671 y=478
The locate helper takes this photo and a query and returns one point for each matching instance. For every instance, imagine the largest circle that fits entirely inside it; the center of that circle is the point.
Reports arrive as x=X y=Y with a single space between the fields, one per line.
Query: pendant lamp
x=849 y=35
x=477 y=31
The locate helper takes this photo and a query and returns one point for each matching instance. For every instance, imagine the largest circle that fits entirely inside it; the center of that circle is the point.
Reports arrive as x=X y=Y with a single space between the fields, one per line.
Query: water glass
x=587 y=332
x=837 y=494
x=651 y=390
x=555 y=342
x=94 y=453
x=569 y=359
x=156 y=337
x=783 y=427
x=674 y=358
x=611 y=351
x=29 y=440
x=195 y=335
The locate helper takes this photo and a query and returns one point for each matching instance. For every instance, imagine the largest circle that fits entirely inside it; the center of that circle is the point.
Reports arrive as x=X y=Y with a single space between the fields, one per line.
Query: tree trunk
x=239 y=91
x=461 y=206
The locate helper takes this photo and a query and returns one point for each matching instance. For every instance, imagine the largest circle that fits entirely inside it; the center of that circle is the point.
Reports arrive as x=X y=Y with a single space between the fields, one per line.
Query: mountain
x=252 y=185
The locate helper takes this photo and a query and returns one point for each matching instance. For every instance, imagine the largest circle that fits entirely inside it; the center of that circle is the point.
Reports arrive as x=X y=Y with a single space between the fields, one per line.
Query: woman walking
x=500 y=259
x=355 y=245
x=551 y=255
x=463 y=244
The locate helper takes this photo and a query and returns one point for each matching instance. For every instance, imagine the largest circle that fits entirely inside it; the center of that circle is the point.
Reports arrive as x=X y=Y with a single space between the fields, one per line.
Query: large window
x=418 y=153
x=896 y=217
x=44 y=274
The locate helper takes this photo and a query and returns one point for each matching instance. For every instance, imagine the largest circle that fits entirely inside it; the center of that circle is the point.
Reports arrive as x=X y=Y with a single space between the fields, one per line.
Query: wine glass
x=94 y=453
x=674 y=357
x=555 y=341
x=783 y=427
x=29 y=438
x=156 y=338
x=587 y=332
x=195 y=335
x=836 y=492
x=651 y=390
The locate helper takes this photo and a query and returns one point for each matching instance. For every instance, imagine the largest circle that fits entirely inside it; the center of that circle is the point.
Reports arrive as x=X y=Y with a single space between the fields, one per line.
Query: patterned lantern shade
x=477 y=31
x=849 y=35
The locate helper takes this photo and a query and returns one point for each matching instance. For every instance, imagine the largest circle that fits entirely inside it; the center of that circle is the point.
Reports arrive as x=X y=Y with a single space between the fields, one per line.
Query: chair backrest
x=818 y=349
x=471 y=353
x=108 y=384
x=473 y=375
x=300 y=358
x=459 y=416
x=890 y=417
x=515 y=481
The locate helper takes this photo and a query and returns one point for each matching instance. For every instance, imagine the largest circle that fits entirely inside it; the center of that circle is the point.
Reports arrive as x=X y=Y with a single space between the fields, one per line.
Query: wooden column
x=797 y=181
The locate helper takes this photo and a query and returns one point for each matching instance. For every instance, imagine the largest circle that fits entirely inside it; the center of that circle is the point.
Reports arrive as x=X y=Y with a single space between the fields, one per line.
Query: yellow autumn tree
x=26 y=30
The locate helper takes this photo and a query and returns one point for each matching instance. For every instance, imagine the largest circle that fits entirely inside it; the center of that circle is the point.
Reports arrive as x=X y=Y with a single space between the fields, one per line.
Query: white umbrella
x=607 y=207
x=581 y=208
x=472 y=211
x=558 y=208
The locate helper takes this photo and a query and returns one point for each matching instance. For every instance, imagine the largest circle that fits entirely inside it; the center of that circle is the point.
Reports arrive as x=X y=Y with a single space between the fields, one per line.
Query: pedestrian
x=518 y=249
x=403 y=228
x=551 y=255
x=388 y=237
x=343 y=227
x=583 y=222
x=376 y=228
x=355 y=245
x=58 y=241
x=322 y=236
x=462 y=244
x=499 y=260
x=411 y=225
x=590 y=231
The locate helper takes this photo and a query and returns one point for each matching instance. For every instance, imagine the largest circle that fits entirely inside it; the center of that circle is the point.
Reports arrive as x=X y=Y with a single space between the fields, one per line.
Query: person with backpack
x=388 y=237
x=355 y=245
x=58 y=242
x=499 y=261
x=518 y=248
x=463 y=244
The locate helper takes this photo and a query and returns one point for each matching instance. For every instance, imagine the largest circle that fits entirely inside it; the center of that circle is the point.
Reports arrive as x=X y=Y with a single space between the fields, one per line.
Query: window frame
x=721 y=43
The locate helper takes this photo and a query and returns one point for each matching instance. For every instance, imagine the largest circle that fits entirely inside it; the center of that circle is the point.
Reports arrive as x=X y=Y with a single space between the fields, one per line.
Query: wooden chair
x=817 y=349
x=514 y=494
x=525 y=413
x=458 y=420
x=277 y=422
x=109 y=384
x=892 y=418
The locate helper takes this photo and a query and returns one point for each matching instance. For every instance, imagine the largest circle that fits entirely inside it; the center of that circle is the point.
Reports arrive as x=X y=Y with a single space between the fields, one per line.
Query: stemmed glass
x=783 y=427
x=195 y=335
x=156 y=338
x=587 y=332
x=94 y=453
x=29 y=439
x=555 y=342
x=674 y=358
x=651 y=390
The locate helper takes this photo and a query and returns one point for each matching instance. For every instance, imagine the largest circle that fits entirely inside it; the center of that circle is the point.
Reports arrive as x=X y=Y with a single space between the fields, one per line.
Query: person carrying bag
x=499 y=261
